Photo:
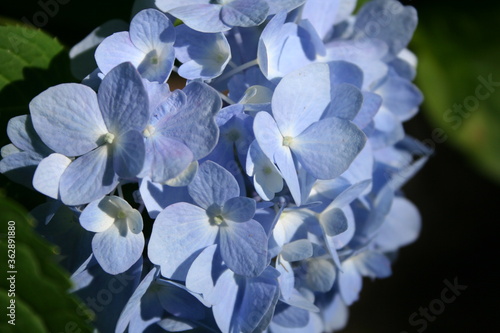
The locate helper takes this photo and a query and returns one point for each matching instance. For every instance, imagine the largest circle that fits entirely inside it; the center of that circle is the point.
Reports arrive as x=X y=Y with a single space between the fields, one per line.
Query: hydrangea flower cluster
x=254 y=199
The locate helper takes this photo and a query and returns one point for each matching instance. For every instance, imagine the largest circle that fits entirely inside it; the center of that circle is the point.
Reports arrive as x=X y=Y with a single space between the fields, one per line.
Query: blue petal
x=151 y=29
x=117 y=49
x=276 y=6
x=123 y=100
x=128 y=154
x=153 y=33
x=298 y=250
x=179 y=232
x=213 y=184
x=300 y=98
x=243 y=247
x=244 y=13
x=200 y=278
x=321 y=14
x=48 y=173
x=117 y=248
x=203 y=17
x=371 y=105
x=401 y=226
x=290 y=317
x=397 y=34
x=67 y=119
x=88 y=178
x=226 y=307
x=259 y=301
x=203 y=55
x=133 y=306
x=169 y=158
x=350 y=282
x=345 y=72
x=373 y=264
x=320 y=275
x=22 y=134
x=328 y=147
x=20 y=167
x=194 y=122
x=239 y=209
x=346 y=102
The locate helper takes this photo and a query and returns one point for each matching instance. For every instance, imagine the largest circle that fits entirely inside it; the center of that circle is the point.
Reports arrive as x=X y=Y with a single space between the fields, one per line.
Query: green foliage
x=457 y=53
x=30 y=62
x=41 y=299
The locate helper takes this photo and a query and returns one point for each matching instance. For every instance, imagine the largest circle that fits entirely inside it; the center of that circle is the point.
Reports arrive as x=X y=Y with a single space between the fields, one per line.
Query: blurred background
x=457 y=192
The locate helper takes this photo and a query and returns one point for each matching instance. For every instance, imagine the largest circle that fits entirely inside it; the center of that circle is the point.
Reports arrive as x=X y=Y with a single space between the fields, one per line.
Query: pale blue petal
x=88 y=178
x=128 y=154
x=276 y=6
x=346 y=102
x=150 y=29
x=153 y=33
x=194 y=122
x=335 y=315
x=117 y=49
x=286 y=278
x=397 y=34
x=67 y=118
x=179 y=301
x=134 y=304
x=244 y=13
x=99 y=215
x=267 y=134
x=239 y=209
x=300 y=98
x=290 y=317
x=328 y=147
x=203 y=55
x=22 y=134
x=48 y=173
x=388 y=129
x=156 y=196
x=185 y=177
x=350 y=282
x=243 y=247
x=204 y=18
x=283 y=158
x=370 y=107
x=322 y=14
x=400 y=96
x=226 y=307
x=169 y=158
x=298 y=250
x=334 y=221
x=350 y=194
x=117 y=249
x=320 y=275
x=213 y=185
x=20 y=167
x=401 y=226
x=345 y=72
x=199 y=278
x=174 y=324
x=168 y=5
x=373 y=264
x=259 y=301
x=179 y=232
x=123 y=100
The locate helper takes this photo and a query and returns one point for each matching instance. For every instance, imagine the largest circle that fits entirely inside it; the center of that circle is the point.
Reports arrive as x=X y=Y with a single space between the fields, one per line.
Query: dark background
x=459 y=238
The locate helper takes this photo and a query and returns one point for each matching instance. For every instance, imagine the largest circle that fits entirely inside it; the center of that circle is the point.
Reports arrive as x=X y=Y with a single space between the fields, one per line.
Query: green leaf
x=457 y=54
x=42 y=302
x=30 y=62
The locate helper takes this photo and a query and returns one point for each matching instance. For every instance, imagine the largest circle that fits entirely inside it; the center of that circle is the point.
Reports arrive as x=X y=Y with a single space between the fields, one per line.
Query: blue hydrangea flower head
x=149 y=46
x=102 y=130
